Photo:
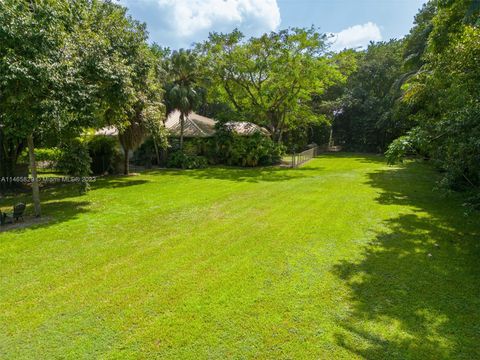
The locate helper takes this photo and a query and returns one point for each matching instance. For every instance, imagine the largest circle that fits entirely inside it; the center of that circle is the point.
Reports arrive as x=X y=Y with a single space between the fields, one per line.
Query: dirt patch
x=27 y=222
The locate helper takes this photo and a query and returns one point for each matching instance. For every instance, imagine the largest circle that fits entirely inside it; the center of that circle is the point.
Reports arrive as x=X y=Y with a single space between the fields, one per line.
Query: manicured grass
x=342 y=258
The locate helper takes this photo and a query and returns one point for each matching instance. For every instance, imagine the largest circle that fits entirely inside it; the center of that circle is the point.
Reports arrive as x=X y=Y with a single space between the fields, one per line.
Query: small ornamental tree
x=75 y=161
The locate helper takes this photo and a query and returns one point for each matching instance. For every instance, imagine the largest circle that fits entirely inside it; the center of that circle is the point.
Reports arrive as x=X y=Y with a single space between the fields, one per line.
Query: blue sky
x=353 y=23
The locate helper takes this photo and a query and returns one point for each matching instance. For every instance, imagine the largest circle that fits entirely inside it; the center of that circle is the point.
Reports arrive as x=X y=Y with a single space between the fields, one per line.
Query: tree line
x=71 y=65
x=420 y=95
x=67 y=66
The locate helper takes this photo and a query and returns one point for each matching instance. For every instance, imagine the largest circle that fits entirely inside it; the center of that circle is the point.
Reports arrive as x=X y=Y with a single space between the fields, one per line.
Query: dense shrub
x=47 y=156
x=398 y=149
x=254 y=150
x=182 y=160
x=191 y=146
x=146 y=154
x=102 y=150
x=75 y=161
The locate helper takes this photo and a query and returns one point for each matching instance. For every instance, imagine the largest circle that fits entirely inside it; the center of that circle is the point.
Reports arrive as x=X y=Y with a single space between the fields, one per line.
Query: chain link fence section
x=296 y=159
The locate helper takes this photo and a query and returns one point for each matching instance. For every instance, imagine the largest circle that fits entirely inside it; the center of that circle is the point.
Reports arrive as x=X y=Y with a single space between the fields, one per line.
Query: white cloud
x=181 y=22
x=190 y=16
x=357 y=36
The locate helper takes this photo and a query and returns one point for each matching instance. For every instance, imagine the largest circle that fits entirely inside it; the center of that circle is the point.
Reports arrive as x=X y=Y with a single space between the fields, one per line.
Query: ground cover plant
x=345 y=257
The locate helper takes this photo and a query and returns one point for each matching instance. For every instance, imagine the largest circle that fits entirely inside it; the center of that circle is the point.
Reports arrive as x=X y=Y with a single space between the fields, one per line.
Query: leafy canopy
x=269 y=80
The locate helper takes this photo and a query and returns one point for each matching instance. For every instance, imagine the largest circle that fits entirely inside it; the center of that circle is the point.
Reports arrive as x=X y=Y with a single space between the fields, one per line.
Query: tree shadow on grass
x=57 y=191
x=55 y=207
x=254 y=175
x=415 y=293
x=54 y=212
x=362 y=157
x=114 y=182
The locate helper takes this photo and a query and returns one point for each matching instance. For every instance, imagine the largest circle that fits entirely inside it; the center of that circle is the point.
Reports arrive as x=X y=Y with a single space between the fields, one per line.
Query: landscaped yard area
x=344 y=257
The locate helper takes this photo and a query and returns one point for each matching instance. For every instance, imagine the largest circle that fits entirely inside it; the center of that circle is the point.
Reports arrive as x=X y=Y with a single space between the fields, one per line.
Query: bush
x=102 y=150
x=248 y=151
x=146 y=154
x=75 y=161
x=398 y=149
x=184 y=161
x=48 y=156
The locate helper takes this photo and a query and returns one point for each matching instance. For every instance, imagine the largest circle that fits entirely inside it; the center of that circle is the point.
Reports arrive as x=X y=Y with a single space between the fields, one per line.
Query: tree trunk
x=277 y=135
x=4 y=173
x=330 y=138
x=33 y=170
x=156 y=150
x=182 y=125
x=3 y=163
x=126 y=169
x=280 y=137
x=9 y=151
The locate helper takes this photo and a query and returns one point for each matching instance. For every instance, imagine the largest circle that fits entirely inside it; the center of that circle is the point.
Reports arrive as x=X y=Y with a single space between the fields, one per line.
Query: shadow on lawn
x=53 y=213
x=55 y=207
x=420 y=277
x=57 y=191
x=267 y=174
x=114 y=182
x=358 y=156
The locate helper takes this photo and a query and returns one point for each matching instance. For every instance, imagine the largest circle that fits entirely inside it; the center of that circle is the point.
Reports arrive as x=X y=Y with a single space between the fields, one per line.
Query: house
x=198 y=126
x=196 y=129
x=195 y=126
x=245 y=128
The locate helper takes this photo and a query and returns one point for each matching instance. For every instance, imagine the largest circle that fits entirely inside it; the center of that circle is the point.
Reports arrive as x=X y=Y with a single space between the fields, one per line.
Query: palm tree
x=132 y=136
x=182 y=95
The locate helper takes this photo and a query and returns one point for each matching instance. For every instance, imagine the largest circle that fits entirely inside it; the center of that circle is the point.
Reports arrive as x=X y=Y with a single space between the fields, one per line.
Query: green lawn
x=344 y=257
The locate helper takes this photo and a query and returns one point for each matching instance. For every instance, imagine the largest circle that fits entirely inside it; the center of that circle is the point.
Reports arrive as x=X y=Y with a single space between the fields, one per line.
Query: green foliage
x=146 y=112
x=146 y=155
x=181 y=90
x=48 y=155
x=192 y=146
x=183 y=73
x=181 y=160
x=270 y=79
x=103 y=152
x=366 y=120
x=416 y=40
x=70 y=65
x=398 y=149
x=442 y=97
x=33 y=68
x=247 y=151
x=75 y=161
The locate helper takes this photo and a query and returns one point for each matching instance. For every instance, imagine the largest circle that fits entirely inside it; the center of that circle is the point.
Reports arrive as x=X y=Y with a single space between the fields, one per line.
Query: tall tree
x=443 y=95
x=269 y=80
x=181 y=92
x=66 y=66
x=147 y=111
x=131 y=137
x=147 y=118
x=366 y=120
x=34 y=60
